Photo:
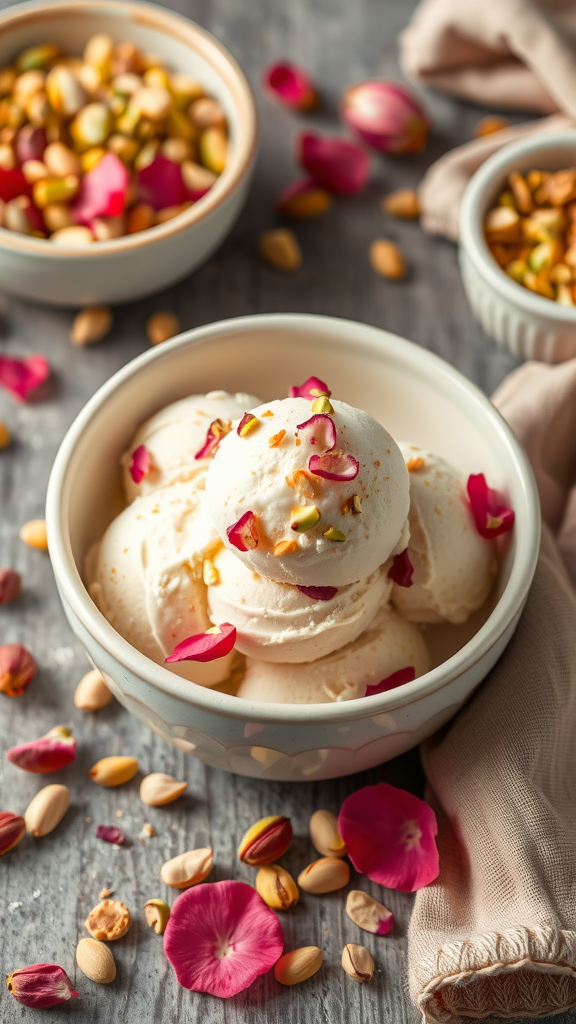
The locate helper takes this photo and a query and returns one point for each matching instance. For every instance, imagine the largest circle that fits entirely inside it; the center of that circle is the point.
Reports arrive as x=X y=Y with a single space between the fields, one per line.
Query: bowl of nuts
x=127 y=141
x=518 y=246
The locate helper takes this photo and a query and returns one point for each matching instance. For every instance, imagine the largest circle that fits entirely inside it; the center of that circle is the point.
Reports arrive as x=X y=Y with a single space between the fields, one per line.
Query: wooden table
x=48 y=886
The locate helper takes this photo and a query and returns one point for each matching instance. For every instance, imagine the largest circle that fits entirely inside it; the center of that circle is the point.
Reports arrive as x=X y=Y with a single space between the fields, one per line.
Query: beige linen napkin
x=495 y=935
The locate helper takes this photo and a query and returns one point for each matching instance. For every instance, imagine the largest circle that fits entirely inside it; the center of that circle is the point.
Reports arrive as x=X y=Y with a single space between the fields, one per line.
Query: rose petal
x=102 y=191
x=311 y=389
x=334 y=467
x=491 y=516
x=110 y=834
x=289 y=84
x=221 y=936
x=303 y=200
x=319 y=430
x=389 y=836
x=48 y=754
x=386 y=115
x=401 y=570
x=403 y=675
x=216 y=431
x=244 y=534
x=22 y=376
x=337 y=164
x=141 y=463
x=13 y=184
x=40 y=985
x=319 y=593
x=160 y=184
x=215 y=643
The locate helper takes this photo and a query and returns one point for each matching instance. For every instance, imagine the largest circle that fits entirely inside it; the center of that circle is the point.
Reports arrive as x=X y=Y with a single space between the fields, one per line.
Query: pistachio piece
x=188 y=868
x=91 y=325
x=114 y=771
x=403 y=203
x=96 y=961
x=108 y=921
x=298 y=965
x=46 y=810
x=161 y=326
x=325 y=835
x=33 y=533
x=157 y=914
x=333 y=534
x=213 y=147
x=357 y=962
x=266 y=841
x=279 y=247
x=368 y=914
x=159 y=789
x=277 y=887
x=304 y=517
x=92 y=693
x=324 y=875
x=387 y=260
x=12 y=829
x=4 y=436
x=17 y=668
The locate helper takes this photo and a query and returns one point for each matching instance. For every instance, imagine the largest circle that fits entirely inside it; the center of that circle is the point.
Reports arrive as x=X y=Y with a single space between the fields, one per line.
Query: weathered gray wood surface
x=47 y=887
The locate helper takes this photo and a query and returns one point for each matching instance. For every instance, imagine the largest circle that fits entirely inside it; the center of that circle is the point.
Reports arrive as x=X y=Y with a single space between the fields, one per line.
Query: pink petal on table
x=334 y=467
x=403 y=675
x=102 y=191
x=401 y=570
x=22 y=376
x=289 y=84
x=110 y=834
x=385 y=115
x=244 y=534
x=216 y=431
x=40 y=985
x=320 y=431
x=141 y=463
x=389 y=836
x=491 y=516
x=215 y=643
x=311 y=389
x=221 y=937
x=49 y=754
x=337 y=164
x=319 y=593
x=13 y=184
x=160 y=184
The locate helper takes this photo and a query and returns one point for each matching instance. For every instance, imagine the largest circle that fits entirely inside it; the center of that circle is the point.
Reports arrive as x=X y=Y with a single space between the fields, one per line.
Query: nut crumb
x=105 y=893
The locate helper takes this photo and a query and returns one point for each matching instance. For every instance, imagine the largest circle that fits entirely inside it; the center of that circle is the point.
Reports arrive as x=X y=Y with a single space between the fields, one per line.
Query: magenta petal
x=337 y=164
x=401 y=570
x=389 y=835
x=319 y=430
x=110 y=834
x=21 y=376
x=491 y=516
x=290 y=85
x=311 y=389
x=102 y=191
x=141 y=463
x=319 y=593
x=244 y=534
x=403 y=675
x=205 y=646
x=221 y=936
x=41 y=985
x=44 y=756
x=216 y=431
x=385 y=115
x=334 y=467
x=160 y=184
x=13 y=184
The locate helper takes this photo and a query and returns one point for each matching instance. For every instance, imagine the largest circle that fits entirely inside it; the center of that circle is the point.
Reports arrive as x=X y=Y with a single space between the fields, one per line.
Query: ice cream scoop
x=310 y=498
x=146 y=577
x=454 y=567
x=279 y=622
x=389 y=644
x=174 y=436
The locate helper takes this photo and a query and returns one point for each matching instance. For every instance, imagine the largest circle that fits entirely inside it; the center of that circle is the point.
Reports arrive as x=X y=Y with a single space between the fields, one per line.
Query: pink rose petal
x=244 y=534
x=334 y=467
x=319 y=593
x=389 y=835
x=401 y=570
x=386 y=116
x=49 y=754
x=41 y=985
x=290 y=85
x=221 y=936
x=337 y=164
x=491 y=516
x=22 y=376
x=160 y=184
x=141 y=463
x=216 y=431
x=102 y=191
x=403 y=675
x=13 y=184
x=110 y=834
x=319 y=430
x=311 y=389
x=215 y=643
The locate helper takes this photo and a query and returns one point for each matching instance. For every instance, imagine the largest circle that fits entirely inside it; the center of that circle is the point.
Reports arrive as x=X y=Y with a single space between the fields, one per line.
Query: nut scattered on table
x=161 y=326
x=187 y=869
x=387 y=260
x=280 y=248
x=403 y=203
x=108 y=921
x=96 y=961
x=490 y=125
x=5 y=437
x=158 y=789
x=12 y=830
x=46 y=810
x=113 y=771
x=17 y=668
x=277 y=887
x=266 y=840
x=33 y=533
x=91 y=325
x=298 y=965
x=325 y=875
x=325 y=835
x=157 y=914
x=357 y=962
x=92 y=693
x=10 y=585
x=368 y=913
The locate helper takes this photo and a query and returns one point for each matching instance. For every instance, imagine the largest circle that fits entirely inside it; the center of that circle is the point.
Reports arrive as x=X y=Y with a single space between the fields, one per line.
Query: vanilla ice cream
x=176 y=434
x=146 y=577
x=327 y=502
x=454 y=567
x=388 y=645
x=277 y=622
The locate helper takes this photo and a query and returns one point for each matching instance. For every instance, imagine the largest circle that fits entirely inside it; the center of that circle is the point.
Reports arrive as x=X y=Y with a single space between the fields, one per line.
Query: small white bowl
x=527 y=324
x=135 y=265
x=418 y=397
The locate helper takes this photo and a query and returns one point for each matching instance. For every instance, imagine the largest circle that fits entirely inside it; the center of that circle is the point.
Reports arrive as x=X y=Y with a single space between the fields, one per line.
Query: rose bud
x=12 y=828
x=49 y=754
x=17 y=668
x=386 y=116
x=10 y=585
x=40 y=985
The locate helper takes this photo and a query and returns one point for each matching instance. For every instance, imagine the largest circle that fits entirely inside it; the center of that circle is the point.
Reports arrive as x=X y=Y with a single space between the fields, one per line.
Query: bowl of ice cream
x=94 y=205
x=196 y=512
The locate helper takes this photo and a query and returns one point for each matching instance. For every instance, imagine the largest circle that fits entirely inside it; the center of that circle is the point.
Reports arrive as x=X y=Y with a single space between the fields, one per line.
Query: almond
x=96 y=961
x=298 y=965
x=324 y=875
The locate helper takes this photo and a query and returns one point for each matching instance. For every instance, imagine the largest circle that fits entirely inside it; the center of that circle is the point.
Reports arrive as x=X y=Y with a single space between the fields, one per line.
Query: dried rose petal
x=319 y=593
x=13 y=184
x=10 y=585
x=311 y=389
x=17 y=668
x=160 y=184
x=22 y=376
x=102 y=191
x=386 y=115
x=403 y=675
x=110 y=834
x=401 y=570
x=40 y=985
x=290 y=85
x=334 y=163
x=141 y=463
x=49 y=754
x=221 y=936
x=248 y=423
x=491 y=516
x=214 y=643
x=303 y=200
x=244 y=534
x=389 y=836
x=319 y=430
x=216 y=431
x=334 y=466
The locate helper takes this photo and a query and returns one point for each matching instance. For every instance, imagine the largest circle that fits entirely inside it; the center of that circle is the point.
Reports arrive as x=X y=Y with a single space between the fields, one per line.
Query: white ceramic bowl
x=134 y=265
x=527 y=324
x=418 y=397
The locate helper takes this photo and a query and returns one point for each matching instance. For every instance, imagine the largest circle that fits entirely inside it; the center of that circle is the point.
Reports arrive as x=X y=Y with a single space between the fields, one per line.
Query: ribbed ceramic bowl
x=527 y=324
x=135 y=265
x=418 y=397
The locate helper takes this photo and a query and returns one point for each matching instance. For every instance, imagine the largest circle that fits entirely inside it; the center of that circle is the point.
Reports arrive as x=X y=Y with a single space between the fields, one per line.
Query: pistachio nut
x=324 y=875
x=188 y=868
x=325 y=835
x=357 y=962
x=298 y=965
x=277 y=887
